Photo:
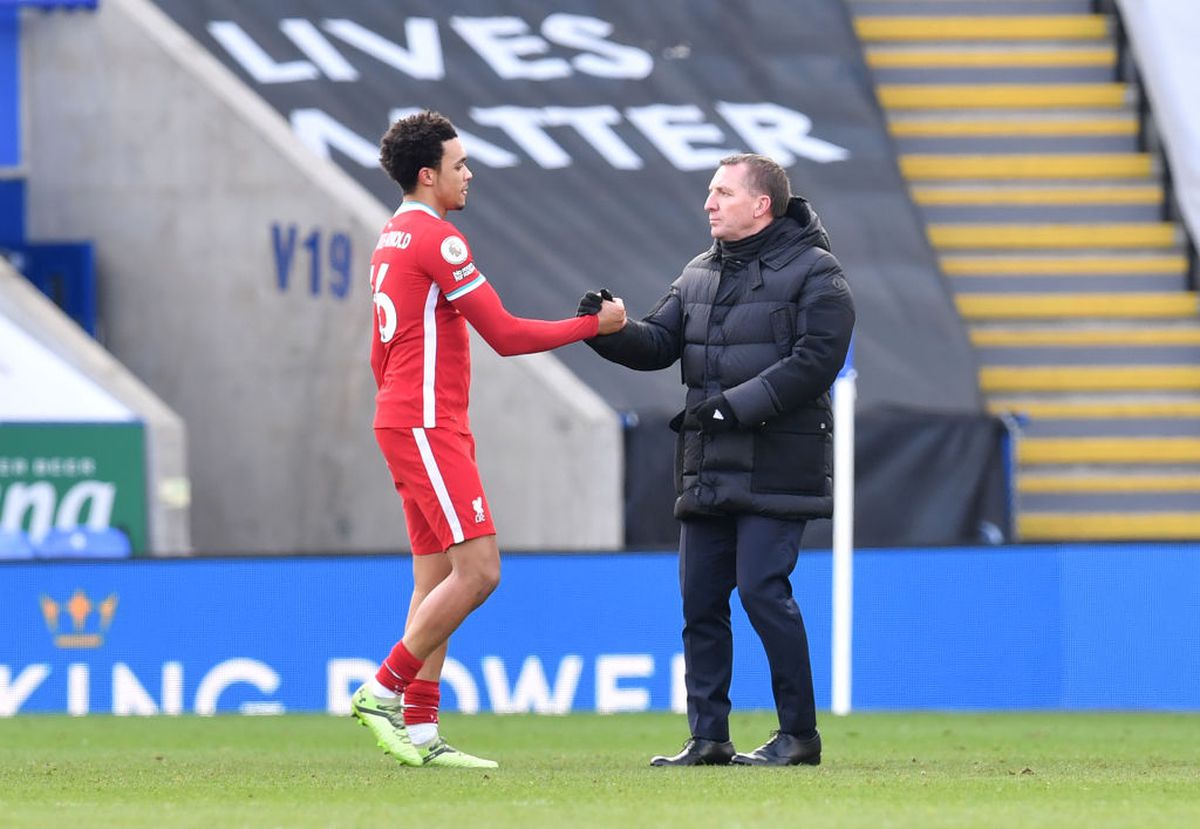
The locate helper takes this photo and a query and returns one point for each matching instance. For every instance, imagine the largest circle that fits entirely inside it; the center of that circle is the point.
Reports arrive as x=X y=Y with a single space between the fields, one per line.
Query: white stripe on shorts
x=439 y=484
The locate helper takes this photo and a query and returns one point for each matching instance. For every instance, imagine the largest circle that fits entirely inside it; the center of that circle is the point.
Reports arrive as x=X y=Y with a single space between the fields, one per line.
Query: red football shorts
x=435 y=473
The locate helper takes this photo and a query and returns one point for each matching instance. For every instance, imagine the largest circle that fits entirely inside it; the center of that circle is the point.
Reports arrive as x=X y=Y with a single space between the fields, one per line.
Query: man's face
x=733 y=211
x=450 y=179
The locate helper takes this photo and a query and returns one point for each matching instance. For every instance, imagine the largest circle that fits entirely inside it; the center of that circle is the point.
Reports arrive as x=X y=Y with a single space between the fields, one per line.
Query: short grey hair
x=764 y=175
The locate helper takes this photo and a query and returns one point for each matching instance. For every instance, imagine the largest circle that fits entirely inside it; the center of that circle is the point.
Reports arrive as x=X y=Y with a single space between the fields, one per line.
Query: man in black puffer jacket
x=762 y=323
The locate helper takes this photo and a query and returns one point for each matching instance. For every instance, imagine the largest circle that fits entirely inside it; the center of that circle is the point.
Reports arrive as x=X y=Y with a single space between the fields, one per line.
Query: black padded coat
x=771 y=334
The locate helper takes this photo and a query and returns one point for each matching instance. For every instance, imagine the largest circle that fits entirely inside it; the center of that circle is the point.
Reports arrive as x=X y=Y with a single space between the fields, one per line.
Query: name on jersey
x=394 y=239
x=463 y=272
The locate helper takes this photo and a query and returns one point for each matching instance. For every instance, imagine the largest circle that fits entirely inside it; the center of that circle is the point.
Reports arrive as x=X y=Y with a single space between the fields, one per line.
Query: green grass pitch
x=879 y=770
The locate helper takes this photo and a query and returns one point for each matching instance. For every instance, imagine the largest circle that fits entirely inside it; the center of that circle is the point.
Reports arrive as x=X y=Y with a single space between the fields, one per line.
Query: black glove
x=590 y=302
x=716 y=415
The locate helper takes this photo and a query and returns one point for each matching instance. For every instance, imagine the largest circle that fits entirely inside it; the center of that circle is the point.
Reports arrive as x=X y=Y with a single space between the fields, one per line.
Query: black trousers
x=757 y=555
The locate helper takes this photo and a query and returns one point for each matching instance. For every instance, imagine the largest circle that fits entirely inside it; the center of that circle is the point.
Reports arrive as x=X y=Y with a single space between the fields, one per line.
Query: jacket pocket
x=792 y=462
x=675 y=424
x=783 y=330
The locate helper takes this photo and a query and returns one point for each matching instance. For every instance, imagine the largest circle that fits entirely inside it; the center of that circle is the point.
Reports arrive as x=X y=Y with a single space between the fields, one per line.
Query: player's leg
x=422 y=697
x=451 y=598
x=445 y=486
x=474 y=574
x=378 y=704
x=428 y=572
x=441 y=482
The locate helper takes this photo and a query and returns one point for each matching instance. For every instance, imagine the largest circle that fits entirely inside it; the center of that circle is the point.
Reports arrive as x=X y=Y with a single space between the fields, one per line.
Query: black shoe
x=698 y=752
x=783 y=750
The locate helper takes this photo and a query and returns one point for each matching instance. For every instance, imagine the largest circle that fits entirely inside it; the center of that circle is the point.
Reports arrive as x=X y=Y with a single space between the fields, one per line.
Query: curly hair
x=765 y=175
x=414 y=143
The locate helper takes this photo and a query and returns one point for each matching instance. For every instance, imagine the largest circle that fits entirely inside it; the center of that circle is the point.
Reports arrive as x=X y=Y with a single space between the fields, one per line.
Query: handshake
x=609 y=310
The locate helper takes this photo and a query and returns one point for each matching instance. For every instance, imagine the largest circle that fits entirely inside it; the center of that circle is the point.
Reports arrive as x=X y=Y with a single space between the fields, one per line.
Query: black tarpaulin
x=594 y=128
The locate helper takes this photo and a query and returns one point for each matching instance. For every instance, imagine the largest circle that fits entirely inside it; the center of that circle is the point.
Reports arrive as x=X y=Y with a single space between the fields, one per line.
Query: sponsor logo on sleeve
x=463 y=272
x=454 y=250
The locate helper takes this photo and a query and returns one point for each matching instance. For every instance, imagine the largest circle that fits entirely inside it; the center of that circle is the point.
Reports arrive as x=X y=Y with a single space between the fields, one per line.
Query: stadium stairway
x=1021 y=149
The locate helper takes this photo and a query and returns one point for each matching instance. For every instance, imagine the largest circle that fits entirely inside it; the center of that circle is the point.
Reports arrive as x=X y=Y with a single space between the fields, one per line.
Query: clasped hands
x=609 y=309
x=715 y=414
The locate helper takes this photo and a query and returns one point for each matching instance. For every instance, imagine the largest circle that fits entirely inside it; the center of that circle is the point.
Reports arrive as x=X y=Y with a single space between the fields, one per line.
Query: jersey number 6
x=385 y=309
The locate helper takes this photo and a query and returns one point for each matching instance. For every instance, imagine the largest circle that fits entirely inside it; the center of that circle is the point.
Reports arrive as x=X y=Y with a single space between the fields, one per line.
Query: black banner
x=923 y=479
x=593 y=130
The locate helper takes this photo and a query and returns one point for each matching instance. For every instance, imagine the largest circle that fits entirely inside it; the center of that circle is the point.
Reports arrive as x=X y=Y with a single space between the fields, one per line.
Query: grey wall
x=140 y=141
x=167 y=485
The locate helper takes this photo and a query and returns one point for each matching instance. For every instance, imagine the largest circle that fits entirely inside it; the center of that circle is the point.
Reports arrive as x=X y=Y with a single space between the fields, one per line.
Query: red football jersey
x=426 y=288
x=421 y=353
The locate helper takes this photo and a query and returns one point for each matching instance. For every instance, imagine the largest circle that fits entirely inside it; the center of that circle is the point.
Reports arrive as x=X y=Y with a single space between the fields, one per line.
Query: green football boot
x=385 y=718
x=441 y=753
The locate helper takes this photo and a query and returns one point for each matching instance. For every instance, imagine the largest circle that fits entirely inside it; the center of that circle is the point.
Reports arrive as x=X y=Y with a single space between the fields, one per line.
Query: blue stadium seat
x=14 y=545
x=81 y=542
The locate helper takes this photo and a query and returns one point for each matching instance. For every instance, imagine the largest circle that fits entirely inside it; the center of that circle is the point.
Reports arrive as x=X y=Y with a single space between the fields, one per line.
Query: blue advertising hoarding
x=1096 y=627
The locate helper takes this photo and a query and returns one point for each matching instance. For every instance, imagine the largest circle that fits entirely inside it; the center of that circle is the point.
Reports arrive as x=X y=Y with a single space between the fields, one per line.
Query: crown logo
x=79 y=610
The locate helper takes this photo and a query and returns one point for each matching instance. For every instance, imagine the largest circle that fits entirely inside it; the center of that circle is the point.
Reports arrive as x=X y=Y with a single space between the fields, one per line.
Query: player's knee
x=490 y=578
x=483 y=578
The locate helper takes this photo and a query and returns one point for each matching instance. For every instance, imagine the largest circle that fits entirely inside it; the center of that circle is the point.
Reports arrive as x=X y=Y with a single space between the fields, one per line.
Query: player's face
x=734 y=212
x=451 y=181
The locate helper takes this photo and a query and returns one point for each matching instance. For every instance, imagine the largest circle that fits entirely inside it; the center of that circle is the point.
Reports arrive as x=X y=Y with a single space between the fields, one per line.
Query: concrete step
x=1132 y=501
x=920 y=96
x=1062 y=236
x=1085 y=338
x=1069 y=378
x=1052 y=355
x=1096 y=526
x=1008 y=195
x=1023 y=124
x=965 y=7
x=1018 y=145
x=1177 y=305
x=1025 y=166
x=1119 y=283
x=1036 y=483
x=1047 y=214
x=1110 y=408
x=993 y=75
x=1124 y=263
x=1112 y=428
x=891 y=56
x=1108 y=450
x=934 y=27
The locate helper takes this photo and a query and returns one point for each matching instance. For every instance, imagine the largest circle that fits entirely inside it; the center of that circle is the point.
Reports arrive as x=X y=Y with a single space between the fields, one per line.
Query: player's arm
x=651 y=343
x=510 y=335
x=450 y=264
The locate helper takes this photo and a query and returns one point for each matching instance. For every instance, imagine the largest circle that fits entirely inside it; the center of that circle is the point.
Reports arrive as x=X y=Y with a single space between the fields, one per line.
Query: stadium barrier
x=1047 y=627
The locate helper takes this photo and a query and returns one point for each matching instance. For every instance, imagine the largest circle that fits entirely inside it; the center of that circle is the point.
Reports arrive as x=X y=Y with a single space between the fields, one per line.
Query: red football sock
x=421 y=700
x=399 y=669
